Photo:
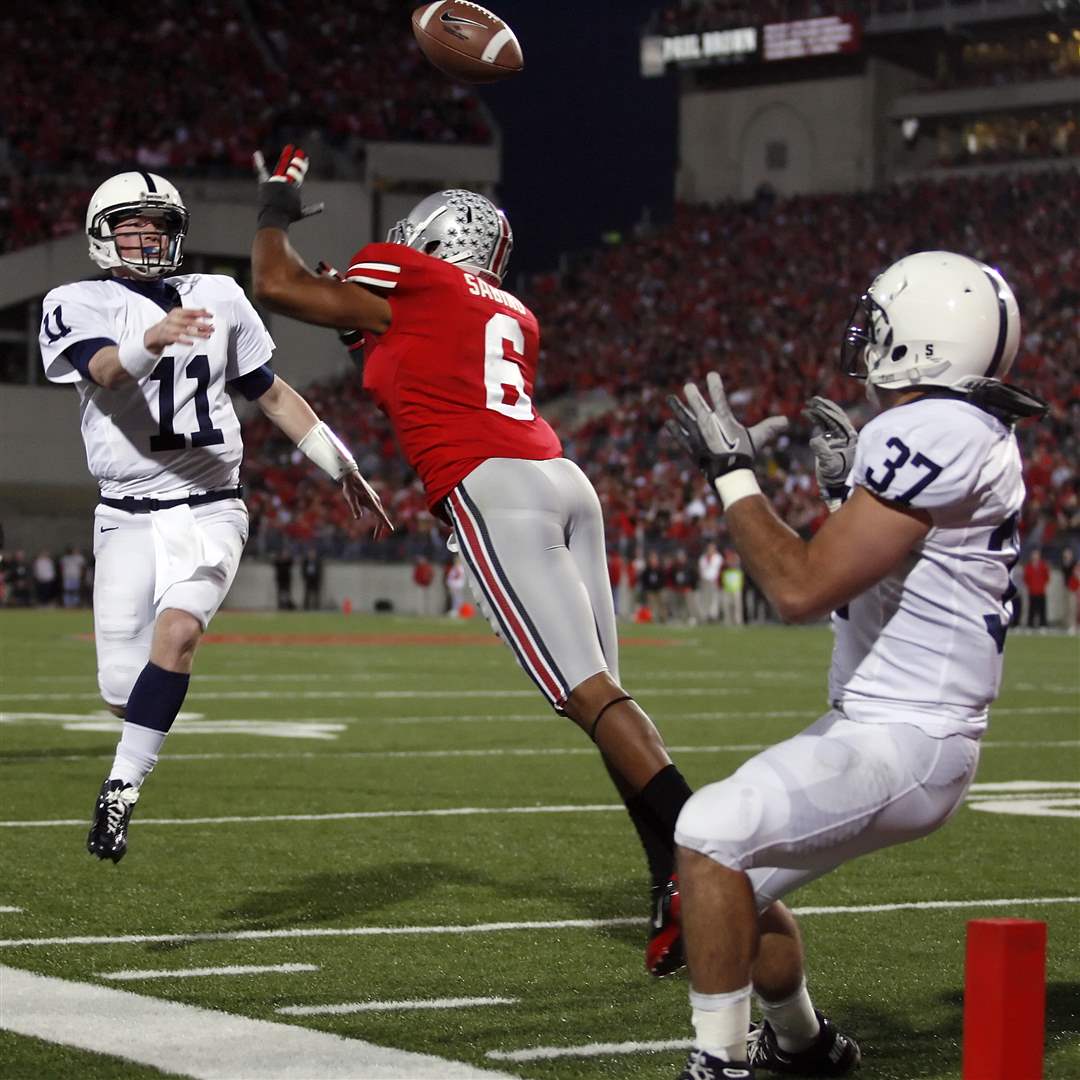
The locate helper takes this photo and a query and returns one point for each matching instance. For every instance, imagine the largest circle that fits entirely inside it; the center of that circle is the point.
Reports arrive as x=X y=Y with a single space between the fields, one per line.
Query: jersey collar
x=160 y=292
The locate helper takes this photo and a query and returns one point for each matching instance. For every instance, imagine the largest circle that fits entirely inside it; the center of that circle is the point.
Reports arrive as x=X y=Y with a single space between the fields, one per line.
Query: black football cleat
x=664 y=953
x=832 y=1053
x=112 y=813
x=702 y=1066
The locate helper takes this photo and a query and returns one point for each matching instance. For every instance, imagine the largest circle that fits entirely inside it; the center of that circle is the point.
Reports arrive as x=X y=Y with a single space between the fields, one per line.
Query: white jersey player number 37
x=501 y=374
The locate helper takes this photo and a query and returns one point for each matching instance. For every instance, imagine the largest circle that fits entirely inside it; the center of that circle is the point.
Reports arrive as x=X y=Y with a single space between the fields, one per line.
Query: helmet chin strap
x=872 y=396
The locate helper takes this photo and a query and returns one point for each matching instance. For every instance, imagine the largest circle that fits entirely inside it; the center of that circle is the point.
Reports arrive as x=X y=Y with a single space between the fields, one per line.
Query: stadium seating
x=342 y=68
x=760 y=291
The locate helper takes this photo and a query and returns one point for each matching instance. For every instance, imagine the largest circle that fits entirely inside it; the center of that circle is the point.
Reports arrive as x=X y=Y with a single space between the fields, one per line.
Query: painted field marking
x=5 y=909
x=1027 y=798
x=356 y=815
x=388 y=695
x=203 y=1043
x=548 y=1053
x=349 y=1007
x=275 y=729
x=197 y=973
x=498 y=927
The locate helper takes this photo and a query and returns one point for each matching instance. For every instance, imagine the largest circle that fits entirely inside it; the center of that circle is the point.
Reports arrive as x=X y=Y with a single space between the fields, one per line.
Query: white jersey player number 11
x=501 y=374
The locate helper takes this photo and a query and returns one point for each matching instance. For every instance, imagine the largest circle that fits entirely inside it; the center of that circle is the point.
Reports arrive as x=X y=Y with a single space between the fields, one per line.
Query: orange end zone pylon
x=1004 y=999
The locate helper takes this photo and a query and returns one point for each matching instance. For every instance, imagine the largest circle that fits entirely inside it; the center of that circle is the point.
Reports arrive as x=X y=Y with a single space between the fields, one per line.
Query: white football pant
x=184 y=558
x=837 y=790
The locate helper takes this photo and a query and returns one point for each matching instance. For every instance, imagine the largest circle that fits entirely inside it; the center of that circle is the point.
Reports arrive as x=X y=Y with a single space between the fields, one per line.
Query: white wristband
x=736 y=485
x=323 y=447
x=136 y=359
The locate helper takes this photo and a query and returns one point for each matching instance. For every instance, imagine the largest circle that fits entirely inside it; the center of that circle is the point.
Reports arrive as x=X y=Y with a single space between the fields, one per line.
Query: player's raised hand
x=279 y=191
x=712 y=436
x=833 y=441
x=361 y=496
x=182 y=326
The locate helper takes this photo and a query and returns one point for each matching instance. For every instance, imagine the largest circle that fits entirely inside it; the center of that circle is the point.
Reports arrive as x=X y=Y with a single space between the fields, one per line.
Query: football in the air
x=466 y=41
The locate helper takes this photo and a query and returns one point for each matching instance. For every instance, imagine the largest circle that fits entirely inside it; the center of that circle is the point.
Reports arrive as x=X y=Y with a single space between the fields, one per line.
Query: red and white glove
x=279 y=192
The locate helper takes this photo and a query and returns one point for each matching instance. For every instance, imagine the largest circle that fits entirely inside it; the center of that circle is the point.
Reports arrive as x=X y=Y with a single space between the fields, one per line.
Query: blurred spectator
x=456 y=583
x=72 y=569
x=652 y=586
x=283 y=572
x=1036 y=580
x=684 y=583
x=1071 y=580
x=18 y=580
x=617 y=578
x=710 y=564
x=427 y=601
x=732 y=580
x=311 y=571
x=44 y=571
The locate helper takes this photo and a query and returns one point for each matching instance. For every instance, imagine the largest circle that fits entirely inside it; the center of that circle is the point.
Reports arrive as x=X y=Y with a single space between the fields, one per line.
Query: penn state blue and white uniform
x=170 y=438
x=916 y=664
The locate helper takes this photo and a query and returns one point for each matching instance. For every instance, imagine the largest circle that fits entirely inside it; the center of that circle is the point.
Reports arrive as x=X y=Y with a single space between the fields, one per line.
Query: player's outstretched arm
x=296 y=418
x=131 y=361
x=282 y=280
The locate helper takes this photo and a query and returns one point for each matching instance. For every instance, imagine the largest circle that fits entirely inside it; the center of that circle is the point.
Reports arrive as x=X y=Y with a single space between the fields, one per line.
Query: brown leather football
x=466 y=41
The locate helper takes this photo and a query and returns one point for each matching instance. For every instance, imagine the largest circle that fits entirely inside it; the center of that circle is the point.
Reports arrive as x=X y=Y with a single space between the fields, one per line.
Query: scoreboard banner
x=824 y=36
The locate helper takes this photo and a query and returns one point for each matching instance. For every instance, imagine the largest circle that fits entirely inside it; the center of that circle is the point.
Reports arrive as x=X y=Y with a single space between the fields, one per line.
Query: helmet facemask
x=159 y=247
x=867 y=329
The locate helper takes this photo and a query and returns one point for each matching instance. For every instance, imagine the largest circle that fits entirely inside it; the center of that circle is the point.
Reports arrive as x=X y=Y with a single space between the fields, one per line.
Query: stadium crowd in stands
x=760 y=291
x=347 y=69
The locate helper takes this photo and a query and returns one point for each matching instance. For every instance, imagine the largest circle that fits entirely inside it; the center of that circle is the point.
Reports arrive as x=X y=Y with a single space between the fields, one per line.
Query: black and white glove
x=279 y=191
x=833 y=441
x=722 y=448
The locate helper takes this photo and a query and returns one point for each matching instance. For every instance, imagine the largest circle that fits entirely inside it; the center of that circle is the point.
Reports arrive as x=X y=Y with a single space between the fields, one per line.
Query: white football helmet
x=137 y=194
x=459 y=227
x=933 y=319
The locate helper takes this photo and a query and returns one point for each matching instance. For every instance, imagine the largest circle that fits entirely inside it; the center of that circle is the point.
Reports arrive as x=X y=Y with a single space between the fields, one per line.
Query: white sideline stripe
x=453 y=811
x=1023 y=786
x=547 y=1053
x=350 y=1007
x=323 y=932
x=196 y=973
x=499 y=927
x=6 y=910
x=202 y=1043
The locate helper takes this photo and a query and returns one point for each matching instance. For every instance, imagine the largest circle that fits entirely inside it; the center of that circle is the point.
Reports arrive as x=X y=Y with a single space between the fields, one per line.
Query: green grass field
x=287 y=717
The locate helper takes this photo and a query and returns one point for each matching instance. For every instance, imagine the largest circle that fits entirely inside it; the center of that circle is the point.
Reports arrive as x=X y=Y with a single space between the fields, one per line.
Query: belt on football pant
x=135 y=505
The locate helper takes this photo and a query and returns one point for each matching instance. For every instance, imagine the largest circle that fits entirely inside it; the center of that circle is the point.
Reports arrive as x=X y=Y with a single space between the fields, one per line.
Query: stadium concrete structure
x=845 y=102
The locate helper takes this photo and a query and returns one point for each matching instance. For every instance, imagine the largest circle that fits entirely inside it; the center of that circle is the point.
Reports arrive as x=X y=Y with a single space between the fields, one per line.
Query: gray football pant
x=532 y=537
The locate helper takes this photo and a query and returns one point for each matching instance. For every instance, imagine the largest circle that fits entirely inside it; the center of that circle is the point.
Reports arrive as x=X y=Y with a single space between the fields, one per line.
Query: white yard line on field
x=390 y=695
x=203 y=1043
x=5 y=909
x=547 y=1053
x=349 y=1007
x=131 y=975
x=499 y=927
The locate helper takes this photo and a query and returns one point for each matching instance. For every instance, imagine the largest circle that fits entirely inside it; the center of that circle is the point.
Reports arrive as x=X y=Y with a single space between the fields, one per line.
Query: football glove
x=833 y=441
x=279 y=192
x=716 y=441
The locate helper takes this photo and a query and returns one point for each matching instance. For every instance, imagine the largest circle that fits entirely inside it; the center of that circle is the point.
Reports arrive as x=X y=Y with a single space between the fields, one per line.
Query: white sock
x=721 y=1023
x=793 y=1020
x=136 y=753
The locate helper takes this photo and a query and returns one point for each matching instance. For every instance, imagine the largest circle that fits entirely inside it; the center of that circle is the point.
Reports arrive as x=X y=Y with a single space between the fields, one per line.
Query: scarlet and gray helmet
x=459 y=227
x=132 y=195
x=933 y=319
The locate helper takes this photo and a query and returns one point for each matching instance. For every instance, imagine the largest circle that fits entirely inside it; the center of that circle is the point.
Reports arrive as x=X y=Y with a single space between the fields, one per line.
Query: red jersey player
x=451 y=359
